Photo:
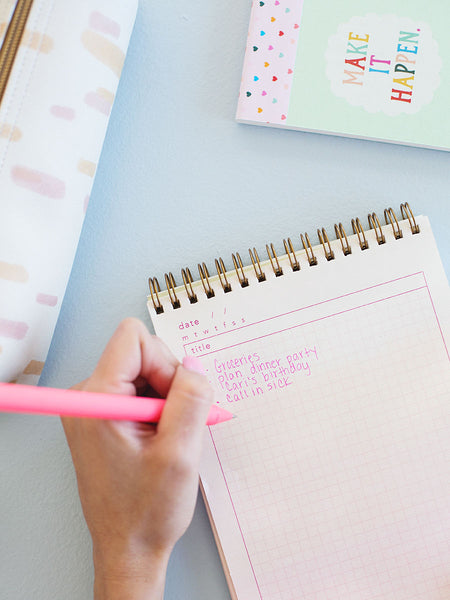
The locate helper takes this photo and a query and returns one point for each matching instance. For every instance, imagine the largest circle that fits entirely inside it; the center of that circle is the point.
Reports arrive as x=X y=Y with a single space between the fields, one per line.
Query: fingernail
x=192 y=363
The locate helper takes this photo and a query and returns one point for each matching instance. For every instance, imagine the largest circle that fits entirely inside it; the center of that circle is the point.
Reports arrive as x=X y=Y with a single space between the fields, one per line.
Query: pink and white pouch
x=60 y=63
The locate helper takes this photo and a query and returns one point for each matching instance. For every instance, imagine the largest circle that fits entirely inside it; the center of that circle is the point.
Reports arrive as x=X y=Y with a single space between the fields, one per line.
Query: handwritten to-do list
x=332 y=481
x=241 y=376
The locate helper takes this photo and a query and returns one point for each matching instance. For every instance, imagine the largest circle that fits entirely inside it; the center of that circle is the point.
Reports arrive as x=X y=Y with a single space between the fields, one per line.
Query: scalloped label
x=384 y=63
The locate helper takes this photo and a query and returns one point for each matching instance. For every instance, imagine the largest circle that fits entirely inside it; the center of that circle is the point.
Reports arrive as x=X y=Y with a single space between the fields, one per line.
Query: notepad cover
x=373 y=71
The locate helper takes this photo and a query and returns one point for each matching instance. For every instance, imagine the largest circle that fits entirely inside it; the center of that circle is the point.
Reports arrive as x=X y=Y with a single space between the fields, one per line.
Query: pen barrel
x=77 y=403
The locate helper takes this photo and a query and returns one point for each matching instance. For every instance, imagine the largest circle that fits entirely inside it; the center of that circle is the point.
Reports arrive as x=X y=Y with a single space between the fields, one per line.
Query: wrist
x=130 y=576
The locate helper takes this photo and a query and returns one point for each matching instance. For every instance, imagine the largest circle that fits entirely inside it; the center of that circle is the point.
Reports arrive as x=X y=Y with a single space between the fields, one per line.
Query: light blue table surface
x=180 y=182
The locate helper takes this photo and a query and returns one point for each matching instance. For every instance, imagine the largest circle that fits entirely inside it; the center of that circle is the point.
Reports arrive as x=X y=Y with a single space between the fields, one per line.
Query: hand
x=138 y=482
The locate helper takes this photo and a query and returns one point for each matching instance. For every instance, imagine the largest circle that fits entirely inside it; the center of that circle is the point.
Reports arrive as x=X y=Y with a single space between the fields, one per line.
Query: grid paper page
x=334 y=479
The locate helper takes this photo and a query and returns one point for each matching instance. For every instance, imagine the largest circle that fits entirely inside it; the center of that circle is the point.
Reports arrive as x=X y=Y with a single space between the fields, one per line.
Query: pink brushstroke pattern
x=63 y=112
x=104 y=24
x=47 y=299
x=96 y=101
x=38 y=182
x=16 y=330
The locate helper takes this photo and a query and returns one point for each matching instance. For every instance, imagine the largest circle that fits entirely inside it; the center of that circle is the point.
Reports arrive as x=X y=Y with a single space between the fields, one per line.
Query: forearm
x=124 y=589
x=138 y=482
x=142 y=579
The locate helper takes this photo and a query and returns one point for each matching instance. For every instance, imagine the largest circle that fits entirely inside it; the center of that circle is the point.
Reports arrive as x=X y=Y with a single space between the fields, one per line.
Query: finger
x=186 y=410
x=132 y=352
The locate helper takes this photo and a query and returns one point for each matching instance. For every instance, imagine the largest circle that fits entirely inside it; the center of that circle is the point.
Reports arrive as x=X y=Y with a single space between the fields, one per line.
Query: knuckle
x=182 y=465
x=130 y=324
x=198 y=391
x=176 y=463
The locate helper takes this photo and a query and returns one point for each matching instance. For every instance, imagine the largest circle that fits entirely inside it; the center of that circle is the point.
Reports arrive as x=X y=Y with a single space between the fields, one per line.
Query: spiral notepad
x=334 y=480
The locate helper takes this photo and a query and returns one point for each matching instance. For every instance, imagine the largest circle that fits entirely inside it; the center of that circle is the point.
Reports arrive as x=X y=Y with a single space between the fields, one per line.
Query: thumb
x=187 y=406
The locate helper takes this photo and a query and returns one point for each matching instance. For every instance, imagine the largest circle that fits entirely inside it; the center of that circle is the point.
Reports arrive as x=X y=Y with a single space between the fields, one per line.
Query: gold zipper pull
x=11 y=41
x=6 y=11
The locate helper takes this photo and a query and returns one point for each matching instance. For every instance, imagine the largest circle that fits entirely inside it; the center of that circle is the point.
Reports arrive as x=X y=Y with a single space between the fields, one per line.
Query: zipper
x=11 y=41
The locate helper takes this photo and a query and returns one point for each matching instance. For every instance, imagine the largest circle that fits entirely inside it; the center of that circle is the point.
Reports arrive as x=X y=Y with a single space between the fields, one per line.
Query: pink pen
x=18 y=398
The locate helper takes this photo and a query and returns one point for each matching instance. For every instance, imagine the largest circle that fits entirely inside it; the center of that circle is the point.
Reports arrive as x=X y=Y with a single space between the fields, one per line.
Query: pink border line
x=371 y=287
x=437 y=318
x=293 y=327
x=235 y=514
x=312 y=321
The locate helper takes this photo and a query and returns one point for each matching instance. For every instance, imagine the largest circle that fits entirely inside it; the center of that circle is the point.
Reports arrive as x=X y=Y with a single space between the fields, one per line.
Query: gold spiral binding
x=204 y=276
x=323 y=239
x=171 y=285
x=408 y=213
x=376 y=226
x=389 y=215
x=153 y=284
x=188 y=281
x=341 y=235
x=239 y=269
x=222 y=273
x=274 y=260
x=374 y=223
x=290 y=252
x=359 y=231
x=260 y=275
x=309 y=250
